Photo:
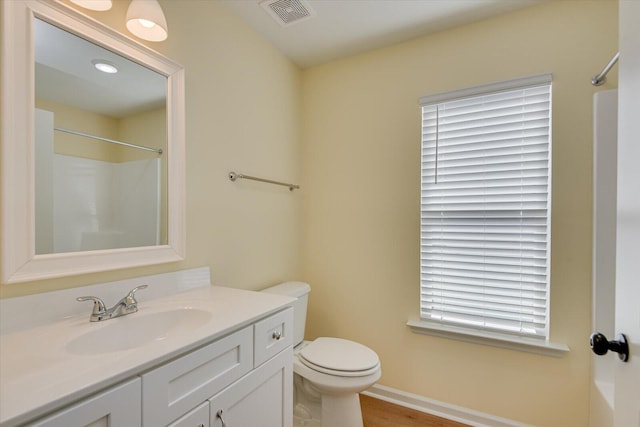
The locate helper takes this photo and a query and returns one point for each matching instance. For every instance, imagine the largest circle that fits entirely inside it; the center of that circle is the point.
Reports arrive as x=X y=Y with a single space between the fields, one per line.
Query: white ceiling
x=341 y=28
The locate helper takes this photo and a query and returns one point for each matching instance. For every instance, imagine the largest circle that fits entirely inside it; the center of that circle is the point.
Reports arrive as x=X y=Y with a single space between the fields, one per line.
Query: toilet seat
x=339 y=357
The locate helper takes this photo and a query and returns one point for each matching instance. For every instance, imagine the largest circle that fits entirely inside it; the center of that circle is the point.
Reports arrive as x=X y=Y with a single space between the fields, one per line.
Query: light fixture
x=105 y=66
x=146 y=20
x=100 y=5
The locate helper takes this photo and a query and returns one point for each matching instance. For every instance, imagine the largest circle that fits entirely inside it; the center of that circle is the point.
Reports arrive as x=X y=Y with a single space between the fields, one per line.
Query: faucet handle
x=98 y=306
x=130 y=298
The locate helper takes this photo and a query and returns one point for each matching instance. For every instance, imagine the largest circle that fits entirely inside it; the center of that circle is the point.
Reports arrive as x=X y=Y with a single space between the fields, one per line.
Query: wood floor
x=378 y=413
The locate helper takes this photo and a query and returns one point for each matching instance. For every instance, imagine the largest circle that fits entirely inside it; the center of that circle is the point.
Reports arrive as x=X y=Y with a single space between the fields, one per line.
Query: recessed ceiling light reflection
x=105 y=66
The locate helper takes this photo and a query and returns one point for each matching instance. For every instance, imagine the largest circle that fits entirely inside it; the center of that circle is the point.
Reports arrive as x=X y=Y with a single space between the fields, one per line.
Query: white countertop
x=39 y=374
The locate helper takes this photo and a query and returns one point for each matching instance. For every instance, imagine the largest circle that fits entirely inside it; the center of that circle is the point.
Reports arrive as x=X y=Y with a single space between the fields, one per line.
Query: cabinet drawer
x=175 y=388
x=272 y=335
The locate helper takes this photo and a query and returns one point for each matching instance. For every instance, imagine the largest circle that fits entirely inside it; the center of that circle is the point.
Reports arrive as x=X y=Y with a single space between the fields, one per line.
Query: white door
x=627 y=375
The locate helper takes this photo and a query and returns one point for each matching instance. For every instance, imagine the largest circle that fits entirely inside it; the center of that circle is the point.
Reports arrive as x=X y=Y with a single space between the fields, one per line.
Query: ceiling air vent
x=288 y=12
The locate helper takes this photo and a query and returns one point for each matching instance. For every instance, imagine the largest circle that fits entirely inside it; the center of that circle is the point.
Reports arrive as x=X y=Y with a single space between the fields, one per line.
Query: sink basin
x=135 y=330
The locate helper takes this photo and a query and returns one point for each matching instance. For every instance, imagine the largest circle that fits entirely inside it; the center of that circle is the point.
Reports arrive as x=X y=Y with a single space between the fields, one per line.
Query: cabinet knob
x=276 y=335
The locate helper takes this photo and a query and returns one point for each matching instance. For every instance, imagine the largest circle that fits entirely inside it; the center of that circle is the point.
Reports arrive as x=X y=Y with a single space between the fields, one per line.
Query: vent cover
x=288 y=12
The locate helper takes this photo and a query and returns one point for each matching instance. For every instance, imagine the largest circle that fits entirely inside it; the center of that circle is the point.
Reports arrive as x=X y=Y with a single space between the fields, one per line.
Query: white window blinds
x=485 y=207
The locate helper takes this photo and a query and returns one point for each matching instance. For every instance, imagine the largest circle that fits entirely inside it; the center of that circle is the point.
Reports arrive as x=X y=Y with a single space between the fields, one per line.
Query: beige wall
x=243 y=114
x=361 y=152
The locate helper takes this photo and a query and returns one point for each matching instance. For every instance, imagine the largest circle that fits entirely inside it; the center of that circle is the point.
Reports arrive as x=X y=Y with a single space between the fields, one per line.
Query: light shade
x=146 y=20
x=94 y=4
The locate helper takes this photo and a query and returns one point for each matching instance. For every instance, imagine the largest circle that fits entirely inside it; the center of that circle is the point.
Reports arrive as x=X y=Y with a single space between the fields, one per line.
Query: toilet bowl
x=329 y=372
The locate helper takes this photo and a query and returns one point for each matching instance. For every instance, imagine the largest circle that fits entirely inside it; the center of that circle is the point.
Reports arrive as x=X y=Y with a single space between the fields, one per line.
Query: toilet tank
x=300 y=291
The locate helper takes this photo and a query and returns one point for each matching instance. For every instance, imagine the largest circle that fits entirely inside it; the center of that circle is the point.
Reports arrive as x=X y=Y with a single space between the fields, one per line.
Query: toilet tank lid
x=292 y=289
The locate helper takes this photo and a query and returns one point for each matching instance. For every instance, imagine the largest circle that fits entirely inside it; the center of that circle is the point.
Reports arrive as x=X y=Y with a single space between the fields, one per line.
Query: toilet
x=328 y=372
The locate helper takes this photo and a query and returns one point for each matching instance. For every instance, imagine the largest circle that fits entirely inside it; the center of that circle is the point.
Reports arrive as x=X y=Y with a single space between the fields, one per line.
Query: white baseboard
x=439 y=409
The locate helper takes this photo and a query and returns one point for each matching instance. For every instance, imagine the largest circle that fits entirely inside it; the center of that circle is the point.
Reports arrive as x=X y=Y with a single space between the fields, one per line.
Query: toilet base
x=314 y=409
x=341 y=411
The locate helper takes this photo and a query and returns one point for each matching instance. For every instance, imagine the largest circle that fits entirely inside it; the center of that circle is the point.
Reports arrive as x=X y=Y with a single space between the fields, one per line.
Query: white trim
x=511 y=342
x=19 y=262
x=439 y=409
x=535 y=80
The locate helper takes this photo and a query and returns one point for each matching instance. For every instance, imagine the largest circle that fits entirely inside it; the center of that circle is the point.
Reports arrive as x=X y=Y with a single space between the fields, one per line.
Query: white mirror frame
x=19 y=260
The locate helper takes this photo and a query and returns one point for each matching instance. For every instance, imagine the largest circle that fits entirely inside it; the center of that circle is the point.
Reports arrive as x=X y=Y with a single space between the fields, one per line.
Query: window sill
x=489 y=338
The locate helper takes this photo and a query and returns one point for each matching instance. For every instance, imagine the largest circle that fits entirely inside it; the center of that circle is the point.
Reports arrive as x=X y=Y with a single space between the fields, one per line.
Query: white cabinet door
x=262 y=398
x=119 y=406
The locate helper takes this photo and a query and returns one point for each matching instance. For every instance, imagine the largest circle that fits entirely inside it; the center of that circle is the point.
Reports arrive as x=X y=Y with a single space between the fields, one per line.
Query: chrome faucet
x=126 y=305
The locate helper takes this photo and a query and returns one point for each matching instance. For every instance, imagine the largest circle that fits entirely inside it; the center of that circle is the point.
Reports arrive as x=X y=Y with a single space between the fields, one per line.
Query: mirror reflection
x=101 y=137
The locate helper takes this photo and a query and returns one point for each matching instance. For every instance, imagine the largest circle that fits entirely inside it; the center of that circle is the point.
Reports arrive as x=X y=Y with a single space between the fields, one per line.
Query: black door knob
x=600 y=345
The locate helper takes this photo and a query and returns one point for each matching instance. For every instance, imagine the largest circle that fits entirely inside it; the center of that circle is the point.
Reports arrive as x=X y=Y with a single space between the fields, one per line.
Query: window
x=485 y=208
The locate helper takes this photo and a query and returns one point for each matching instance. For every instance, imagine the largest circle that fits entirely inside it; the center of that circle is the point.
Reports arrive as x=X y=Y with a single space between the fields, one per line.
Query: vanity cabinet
x=245 y=379
x=117 y=406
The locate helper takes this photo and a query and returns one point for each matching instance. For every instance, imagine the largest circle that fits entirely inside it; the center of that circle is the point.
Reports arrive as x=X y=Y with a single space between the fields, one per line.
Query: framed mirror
x=92 y=162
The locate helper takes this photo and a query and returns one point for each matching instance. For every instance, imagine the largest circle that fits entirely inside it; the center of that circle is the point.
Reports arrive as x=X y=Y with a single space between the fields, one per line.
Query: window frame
x=526 y=342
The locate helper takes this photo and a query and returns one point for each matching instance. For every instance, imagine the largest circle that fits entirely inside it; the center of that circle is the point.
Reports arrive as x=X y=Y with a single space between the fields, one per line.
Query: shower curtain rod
x=599 y=79
x=113 y=141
